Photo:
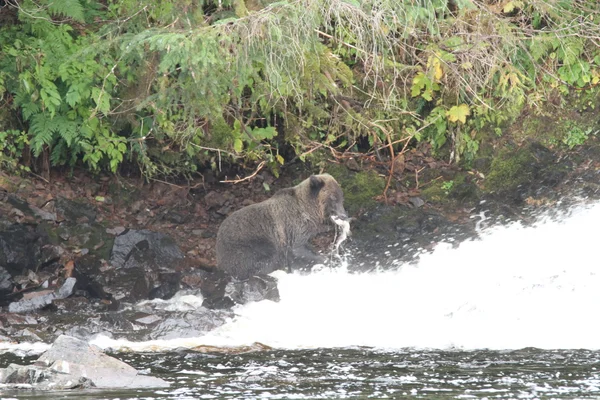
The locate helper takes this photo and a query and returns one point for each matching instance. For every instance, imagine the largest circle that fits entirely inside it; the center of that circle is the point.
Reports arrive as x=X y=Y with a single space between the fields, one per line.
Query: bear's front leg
x=304 y=258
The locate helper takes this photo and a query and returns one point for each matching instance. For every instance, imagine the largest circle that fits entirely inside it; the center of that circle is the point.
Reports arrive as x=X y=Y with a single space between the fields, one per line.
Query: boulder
x=19 y=249
x=72 y=363
x=165 y=251
x=220 y=291
x=143 y=265
x=40 y=378
x=44 y=299
x=75 y=211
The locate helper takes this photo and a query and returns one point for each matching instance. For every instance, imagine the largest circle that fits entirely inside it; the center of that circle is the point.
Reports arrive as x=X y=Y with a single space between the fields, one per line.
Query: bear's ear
x=316 y=184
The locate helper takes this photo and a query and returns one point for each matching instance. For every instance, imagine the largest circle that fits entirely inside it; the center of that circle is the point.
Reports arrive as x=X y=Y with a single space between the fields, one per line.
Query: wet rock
x=75 y=211
x=257 y=288
x=142 y=263
x=213 y=290
x=28 y=305
x=148 y=319
x=72 y=363
x=190 y=324
x=6 y=283
x=168 y=288
x=166 y=252
x=220 y=291
x=41 y=378
x=19 y=249
x=27 y=335
x=66 y=289
x=50 y=254
x=43 y=299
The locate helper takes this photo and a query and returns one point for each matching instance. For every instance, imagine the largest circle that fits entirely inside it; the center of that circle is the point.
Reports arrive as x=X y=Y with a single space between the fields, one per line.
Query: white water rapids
x=514 y=287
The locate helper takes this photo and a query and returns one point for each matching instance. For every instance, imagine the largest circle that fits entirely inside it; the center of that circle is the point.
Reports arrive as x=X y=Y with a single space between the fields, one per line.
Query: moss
x=510 y=169
x=435 y=192
x=458 y=188
x=360 y=188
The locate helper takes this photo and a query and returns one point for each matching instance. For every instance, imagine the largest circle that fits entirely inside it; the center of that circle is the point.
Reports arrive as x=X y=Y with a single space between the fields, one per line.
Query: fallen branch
x=262 y=164
x=392 y=162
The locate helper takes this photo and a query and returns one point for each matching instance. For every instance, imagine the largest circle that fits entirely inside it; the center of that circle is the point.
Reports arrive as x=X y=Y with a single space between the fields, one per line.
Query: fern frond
x=30 y=109
x=66 y=129
x=67 y=8
x=41 y=132
x=59 y=153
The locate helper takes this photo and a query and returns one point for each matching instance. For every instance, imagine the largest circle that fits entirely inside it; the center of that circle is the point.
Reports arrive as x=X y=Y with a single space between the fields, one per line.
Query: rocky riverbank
x=85 y=255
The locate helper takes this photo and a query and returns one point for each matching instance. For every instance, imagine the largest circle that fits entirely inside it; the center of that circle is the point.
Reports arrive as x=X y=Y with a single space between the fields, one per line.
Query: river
x=513 y=314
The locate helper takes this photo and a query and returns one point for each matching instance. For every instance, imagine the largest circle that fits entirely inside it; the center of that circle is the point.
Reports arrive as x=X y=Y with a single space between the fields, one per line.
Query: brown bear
x=274 y=234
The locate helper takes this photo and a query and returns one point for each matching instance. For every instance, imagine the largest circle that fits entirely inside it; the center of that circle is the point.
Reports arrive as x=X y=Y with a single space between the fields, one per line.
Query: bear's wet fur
x=274 y=234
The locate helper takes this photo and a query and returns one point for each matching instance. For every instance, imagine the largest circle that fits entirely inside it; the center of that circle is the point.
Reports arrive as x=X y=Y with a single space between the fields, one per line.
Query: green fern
x=67 y=8
x=41 y=132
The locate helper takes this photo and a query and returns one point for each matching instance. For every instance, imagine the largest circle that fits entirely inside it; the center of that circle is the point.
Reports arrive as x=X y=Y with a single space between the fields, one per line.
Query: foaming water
x=515 y=287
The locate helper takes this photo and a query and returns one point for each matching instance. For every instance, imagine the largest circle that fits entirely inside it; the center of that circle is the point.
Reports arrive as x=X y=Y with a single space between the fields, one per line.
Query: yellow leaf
x=595 y=77
x=458 y=113
x=279 y=159
x=238 y=145
x=509 y=7
x=436 y=64
x=466 y=65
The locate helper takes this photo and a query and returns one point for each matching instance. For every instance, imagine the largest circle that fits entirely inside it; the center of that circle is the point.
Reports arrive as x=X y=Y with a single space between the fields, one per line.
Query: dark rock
x=220 y=291
x=257 y=288
x=50 y=254
x=6 y=283
x=215 y=200
x=189 y=324
x=19 y=204
x=73 y=210
x=175 y=217
x=19 y=249
x=213 y=287
x=141 y=262
x=43 y=214
x=166 y=252
x=352 y=165
x=89 y=236
x=170 y=285
x=416 y=202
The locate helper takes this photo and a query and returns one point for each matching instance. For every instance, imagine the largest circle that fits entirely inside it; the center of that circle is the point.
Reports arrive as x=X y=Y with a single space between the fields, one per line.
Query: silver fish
x=344 y=226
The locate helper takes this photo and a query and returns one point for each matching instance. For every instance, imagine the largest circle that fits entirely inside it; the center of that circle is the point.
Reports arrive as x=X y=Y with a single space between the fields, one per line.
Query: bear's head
x=328 y=195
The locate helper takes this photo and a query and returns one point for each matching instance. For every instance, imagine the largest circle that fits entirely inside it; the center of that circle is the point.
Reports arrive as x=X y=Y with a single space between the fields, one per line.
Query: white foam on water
x=515 y=287
x=24 y=348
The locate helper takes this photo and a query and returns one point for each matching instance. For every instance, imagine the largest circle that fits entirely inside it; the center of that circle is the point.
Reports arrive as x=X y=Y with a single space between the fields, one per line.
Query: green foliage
x=447 y=186
x=12 y=146
x=576 y=137
x=173 y=86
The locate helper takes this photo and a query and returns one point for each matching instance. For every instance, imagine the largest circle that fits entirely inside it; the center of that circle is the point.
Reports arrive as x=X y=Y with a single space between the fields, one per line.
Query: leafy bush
x=174 y=86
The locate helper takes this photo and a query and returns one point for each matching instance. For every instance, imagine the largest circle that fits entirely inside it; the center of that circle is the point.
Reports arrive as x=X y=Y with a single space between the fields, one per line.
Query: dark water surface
x=357 y=373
